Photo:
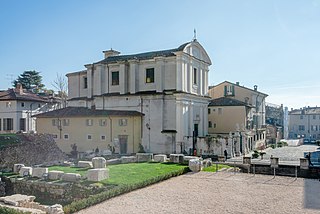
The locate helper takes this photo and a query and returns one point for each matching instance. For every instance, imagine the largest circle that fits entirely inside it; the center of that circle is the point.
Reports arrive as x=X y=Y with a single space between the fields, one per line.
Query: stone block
x=17 y=199
x=186 y=159
x=25 y=171
x=207 y=162
x=160 y=158
x=71 y=177
x=128 y=159
x=85 y=164
x=55 y=209
x=246 y=160
x=195 y=165
x=304 y=163
x=98 y=174
x=39 y=171
x=114 y=161
x=274 y=162
x=176 y=158
x=99 y=162
x=144 y=157
x=55 y=175
x=17 y=167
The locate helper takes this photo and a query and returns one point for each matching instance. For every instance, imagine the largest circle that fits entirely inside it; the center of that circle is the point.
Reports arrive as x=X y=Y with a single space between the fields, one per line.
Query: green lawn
x=127 y=174
x=213 y=168
x=6 y=139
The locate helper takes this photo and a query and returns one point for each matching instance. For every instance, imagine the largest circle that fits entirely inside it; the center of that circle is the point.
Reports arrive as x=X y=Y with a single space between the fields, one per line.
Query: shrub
x=255 y=154
x=6 y=210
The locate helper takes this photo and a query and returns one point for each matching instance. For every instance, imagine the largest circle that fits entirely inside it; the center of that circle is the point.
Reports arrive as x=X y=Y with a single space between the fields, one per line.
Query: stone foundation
x=38 y=172
x=71 y=177
x=128 y=159
x=55 y=175
x=99 y=162
x=85 y=164
x=160 y=158
x=144 y=157
x=97 y=174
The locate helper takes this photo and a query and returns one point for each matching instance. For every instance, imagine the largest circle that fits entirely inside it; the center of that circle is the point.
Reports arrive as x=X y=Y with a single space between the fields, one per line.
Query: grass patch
x=68 y=169
x=7 y=139
x=213 y=168
x=126 y=178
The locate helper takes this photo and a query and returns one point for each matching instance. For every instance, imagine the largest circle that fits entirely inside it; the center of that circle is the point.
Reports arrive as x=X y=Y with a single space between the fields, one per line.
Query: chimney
x=237 y=83
x=19 y=88
x=110 y=53
x=255 y=87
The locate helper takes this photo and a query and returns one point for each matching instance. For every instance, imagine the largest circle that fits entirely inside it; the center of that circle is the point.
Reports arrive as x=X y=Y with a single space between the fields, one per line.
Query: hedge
x=6 y=210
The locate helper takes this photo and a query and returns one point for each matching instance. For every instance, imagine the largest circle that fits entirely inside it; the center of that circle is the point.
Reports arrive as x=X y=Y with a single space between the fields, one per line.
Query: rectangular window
x=89 y=122
x=214 y=125
x=314 y=128
x=66 y=122
x=149 y=75
x=220 y=111
x=314 y=117
x=195 y=76
x=301 y=127
x=115 y=78
x=66 y=136
x=89 y=137
x=103 y=137
x=209 y=111
x=22 y=105
x=22 y=124
x=123 y=122
x=210 y=124
x=301 y=117
x=7 y=124
x=85 y=82
x=103 y=122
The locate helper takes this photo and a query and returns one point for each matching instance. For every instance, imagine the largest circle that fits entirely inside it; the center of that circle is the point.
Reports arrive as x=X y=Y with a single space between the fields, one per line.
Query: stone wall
x=33 y=149
x=52 y=192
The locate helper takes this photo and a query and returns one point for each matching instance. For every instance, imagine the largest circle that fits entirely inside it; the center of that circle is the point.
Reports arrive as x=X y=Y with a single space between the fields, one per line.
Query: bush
x=255 y=154
x=6 y=210
x=98 y=198
x=273 y=146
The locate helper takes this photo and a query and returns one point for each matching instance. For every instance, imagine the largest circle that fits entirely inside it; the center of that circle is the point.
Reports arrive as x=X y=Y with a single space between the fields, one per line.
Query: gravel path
x=223 y=192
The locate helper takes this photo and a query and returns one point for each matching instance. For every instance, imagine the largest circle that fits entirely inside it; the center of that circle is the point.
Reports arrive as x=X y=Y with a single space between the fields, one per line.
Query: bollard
x=254 y=170
x=274 y=172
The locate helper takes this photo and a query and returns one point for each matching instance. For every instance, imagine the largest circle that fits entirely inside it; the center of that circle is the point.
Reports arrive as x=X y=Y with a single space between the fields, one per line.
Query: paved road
x=222 y=192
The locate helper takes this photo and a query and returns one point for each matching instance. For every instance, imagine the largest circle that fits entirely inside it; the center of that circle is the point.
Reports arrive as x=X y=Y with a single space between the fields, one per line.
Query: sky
x=270 y=43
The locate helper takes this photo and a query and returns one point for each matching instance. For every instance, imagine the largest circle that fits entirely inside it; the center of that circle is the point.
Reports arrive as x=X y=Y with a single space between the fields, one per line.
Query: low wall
x=281 y=170
x=53 y=192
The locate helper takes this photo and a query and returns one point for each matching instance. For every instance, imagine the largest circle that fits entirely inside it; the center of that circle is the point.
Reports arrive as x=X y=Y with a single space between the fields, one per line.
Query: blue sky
x=272 y=44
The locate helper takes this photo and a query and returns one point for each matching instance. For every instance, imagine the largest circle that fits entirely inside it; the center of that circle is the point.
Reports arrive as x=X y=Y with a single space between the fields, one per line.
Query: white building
x=169 y=87
x=17 y=107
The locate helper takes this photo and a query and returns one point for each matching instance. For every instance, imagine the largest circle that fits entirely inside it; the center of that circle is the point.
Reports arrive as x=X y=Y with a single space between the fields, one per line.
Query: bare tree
x=61 y=85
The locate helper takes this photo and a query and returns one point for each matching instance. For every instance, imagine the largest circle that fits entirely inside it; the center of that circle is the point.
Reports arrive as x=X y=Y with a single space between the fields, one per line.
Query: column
x=122 y=79
x=178 y=73
x=132 y=76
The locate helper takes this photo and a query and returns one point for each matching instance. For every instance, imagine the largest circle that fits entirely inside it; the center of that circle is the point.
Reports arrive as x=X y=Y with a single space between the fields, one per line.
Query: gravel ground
x=222 y=192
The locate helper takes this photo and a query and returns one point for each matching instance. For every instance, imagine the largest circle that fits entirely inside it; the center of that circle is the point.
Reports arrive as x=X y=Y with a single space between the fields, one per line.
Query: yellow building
x=90 y=129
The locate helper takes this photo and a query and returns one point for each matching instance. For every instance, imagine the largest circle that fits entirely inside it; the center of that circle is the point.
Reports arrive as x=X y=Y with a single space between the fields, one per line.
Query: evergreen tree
x=30 y=80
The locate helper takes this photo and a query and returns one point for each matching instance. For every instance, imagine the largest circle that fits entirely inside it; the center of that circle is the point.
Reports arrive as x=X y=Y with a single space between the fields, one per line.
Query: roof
x=306 y=110
x=14 y=94
x=85 y=112
x=240 y=87
x=143 y=56
x=225 y=101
